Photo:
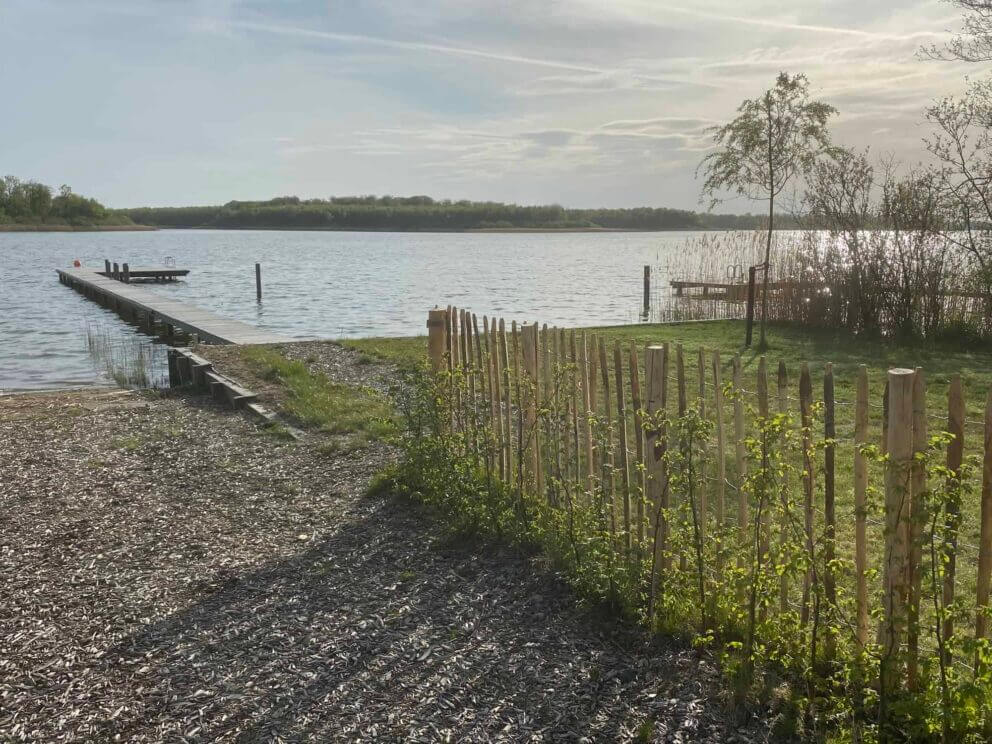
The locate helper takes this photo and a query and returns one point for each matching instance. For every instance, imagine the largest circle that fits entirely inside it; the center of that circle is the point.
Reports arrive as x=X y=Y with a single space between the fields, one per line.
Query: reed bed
x=885 y=282
x=132 y=361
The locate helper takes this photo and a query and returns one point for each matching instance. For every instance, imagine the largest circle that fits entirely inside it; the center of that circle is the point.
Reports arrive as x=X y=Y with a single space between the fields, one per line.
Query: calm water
x=317 y=284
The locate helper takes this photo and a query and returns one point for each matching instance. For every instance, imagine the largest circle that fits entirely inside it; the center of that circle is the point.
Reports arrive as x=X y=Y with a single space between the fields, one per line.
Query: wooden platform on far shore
x=136 y=301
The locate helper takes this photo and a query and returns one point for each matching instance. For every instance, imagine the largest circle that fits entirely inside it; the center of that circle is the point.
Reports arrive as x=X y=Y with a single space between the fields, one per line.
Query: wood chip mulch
x=170 y=572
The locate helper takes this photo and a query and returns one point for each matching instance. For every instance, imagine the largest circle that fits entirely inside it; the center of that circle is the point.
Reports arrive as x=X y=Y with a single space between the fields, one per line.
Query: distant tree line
x=33 y=203
x=424 y=213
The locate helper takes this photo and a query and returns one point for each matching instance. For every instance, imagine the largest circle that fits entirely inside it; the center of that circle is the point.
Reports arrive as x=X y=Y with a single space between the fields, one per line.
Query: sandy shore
x=170 y=572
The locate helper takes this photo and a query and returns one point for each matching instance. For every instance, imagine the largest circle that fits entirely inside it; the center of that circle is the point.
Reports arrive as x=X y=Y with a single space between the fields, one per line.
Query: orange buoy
x=77 y=263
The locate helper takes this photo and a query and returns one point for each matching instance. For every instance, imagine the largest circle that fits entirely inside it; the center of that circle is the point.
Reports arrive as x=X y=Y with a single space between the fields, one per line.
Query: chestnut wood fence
x=566 y=406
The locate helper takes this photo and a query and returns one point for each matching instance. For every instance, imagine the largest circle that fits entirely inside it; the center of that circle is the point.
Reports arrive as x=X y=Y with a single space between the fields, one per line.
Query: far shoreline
x=76 y=228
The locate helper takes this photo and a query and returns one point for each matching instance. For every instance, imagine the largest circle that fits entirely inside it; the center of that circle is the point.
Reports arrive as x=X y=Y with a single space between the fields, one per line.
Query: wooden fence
x=572 y=410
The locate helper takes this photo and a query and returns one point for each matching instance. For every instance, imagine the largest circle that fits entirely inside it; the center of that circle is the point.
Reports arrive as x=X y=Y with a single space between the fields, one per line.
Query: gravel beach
x=169 y=571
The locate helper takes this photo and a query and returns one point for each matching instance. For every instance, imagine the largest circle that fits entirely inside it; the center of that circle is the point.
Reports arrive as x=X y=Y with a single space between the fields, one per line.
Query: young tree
x=773 y=139
x=974 y=42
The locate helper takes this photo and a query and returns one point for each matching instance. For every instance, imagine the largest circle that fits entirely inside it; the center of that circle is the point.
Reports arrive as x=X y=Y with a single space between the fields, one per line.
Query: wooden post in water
x=258 y=282
x=647 y=292
x=898 y=496
x=117 y=272
x=106 y=268
x=126 y=274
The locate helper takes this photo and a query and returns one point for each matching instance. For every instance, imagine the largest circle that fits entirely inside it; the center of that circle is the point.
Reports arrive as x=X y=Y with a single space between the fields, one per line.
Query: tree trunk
x=764 y=285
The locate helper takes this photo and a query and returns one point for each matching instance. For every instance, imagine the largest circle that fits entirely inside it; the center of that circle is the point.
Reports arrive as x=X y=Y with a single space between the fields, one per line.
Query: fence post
x=683 y=406
x=587 y=407
x=635 y=400
x=607 y=455
x=750 y=305
x=507 y=398
x=436 y=337
x=952 y=512
x=573 y=377
x=654 y=370
x=805 y=416
x=985 y=537
x=721 y=463
x=762 y=385
x=739 y=452
x=783 y=408
x=897 y=506
x=861 y=506
x=917 y=515
x=518 y=448
x=528 y=340
x=622 y=441
x=701 y=405
x=829 y=508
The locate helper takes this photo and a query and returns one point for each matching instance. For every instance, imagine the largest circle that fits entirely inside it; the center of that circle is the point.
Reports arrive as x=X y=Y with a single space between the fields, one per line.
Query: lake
x=317 y=284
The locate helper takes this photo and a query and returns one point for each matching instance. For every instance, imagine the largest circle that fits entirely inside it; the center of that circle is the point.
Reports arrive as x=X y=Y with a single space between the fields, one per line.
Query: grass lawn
x=795 y=346
x=354 y=414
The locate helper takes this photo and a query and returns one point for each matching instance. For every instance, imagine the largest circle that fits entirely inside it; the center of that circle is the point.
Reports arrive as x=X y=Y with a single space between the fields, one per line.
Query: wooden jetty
x=141 y=304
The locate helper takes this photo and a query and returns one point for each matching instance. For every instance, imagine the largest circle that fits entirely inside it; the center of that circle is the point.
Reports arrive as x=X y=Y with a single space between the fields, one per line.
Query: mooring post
x=750 y=303
x=126 y=274
x=647 y=291
x=258 y=282
x=106 y=268
x=117 y=271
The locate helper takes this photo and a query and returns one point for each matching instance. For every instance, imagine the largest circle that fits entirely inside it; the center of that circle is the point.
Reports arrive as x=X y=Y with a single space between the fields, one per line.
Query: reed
x=131 y=361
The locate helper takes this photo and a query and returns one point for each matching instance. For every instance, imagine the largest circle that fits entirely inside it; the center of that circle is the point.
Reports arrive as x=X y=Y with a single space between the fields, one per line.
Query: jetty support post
x=258 y=282
x=117 y=271
x=106 y=268
x=750 y=304
x=126 y=274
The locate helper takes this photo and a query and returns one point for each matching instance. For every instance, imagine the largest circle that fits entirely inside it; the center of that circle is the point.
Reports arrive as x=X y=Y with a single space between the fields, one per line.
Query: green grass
x=355 y=414
x=405 y=352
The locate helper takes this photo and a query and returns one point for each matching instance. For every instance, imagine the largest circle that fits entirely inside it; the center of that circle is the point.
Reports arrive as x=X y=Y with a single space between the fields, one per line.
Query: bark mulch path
x=170 y=572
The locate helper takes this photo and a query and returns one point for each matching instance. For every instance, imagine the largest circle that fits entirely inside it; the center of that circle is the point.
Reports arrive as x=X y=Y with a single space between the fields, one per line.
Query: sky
x=584 y=103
